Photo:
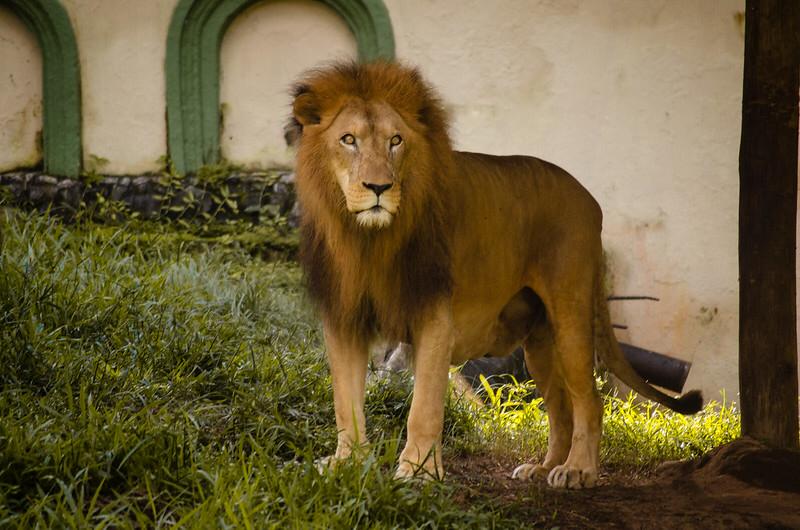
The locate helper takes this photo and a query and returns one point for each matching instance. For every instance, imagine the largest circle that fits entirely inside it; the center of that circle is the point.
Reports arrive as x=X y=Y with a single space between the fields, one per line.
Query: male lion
x=460 y=254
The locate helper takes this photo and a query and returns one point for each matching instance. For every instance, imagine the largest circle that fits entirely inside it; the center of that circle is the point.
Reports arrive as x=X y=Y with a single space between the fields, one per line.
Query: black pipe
x=655 y=368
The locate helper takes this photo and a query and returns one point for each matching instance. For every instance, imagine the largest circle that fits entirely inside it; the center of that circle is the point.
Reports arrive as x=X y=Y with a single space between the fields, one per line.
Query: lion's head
x=369 y=125
x=373 y=161
x=366 y=146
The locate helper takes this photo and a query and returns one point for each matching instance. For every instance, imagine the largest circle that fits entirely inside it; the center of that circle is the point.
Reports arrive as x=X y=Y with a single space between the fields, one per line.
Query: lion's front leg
x=422 y=455
x=347 y=358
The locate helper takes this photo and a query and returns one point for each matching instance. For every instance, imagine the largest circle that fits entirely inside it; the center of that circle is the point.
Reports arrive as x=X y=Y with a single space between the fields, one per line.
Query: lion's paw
x=564 y=476
x=530 y=471
x=408 y=471
x=405 y=471
x=326 y=463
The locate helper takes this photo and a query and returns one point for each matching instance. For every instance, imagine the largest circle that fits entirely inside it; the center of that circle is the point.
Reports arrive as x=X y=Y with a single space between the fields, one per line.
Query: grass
x=637 y=436
x=152 y=378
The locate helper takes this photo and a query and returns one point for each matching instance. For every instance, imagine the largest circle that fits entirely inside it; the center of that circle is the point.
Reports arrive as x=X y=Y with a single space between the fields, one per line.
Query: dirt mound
x=745 y=460
x=743 y=484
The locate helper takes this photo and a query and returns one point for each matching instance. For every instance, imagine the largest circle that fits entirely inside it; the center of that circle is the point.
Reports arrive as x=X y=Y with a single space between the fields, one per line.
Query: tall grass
x=148 y=384
x=637 y=435
x=152 y=379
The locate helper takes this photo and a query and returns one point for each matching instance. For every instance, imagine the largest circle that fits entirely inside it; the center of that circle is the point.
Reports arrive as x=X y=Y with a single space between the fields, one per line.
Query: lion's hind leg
x=541 y=362
x=572 y=315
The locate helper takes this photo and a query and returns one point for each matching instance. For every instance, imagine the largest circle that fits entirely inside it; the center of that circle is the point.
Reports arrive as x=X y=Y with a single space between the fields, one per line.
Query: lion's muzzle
x=376 y=188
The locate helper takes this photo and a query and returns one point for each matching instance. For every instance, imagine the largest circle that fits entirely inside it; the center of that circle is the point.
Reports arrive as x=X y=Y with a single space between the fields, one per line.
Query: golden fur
x=460 y=254
x=343 y=261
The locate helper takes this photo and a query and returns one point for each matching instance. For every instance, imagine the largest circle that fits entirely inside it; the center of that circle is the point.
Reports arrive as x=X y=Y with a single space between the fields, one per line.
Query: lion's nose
x=377 y=188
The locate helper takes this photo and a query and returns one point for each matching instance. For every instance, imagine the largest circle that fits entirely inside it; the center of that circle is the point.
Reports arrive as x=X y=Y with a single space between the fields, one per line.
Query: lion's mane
x=368 y=281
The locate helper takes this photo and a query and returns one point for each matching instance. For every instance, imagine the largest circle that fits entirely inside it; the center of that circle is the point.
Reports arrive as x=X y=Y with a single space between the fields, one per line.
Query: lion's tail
x=610 y=353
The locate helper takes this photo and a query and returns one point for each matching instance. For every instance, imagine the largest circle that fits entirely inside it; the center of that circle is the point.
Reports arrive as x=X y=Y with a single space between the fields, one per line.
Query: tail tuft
x=689 y=403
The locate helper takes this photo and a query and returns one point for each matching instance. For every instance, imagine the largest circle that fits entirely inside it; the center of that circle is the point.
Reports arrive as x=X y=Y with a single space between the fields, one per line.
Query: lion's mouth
x=374 y=217
x=375 y=209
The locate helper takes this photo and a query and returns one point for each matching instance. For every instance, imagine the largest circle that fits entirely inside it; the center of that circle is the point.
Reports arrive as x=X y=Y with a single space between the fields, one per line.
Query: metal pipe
x=655 y=368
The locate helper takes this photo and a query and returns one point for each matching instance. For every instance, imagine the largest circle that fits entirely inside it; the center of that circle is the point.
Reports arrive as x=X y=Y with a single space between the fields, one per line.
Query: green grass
x=637 y=436
x=152 y=377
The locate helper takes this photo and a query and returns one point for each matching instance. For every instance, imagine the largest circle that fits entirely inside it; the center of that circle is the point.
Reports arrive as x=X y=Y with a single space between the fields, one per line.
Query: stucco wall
x=639 y=99
x=20 y=94
x=264 y=51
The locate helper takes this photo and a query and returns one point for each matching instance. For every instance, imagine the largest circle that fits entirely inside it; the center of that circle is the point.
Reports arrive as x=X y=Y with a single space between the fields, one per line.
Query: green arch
x=193 y=45
x=61 y=83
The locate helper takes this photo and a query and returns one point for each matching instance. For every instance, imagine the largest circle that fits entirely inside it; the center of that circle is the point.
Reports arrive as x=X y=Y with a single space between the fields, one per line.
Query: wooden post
x=767 y=217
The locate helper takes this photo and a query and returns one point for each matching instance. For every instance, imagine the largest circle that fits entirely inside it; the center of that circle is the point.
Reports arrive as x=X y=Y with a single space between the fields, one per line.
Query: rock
x=69 y=192
x=46 y=180
x=141 y=183
x=118 y=191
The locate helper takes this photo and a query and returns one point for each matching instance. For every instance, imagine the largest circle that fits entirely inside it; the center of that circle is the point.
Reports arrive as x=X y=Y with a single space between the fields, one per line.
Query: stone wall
x=236 y=196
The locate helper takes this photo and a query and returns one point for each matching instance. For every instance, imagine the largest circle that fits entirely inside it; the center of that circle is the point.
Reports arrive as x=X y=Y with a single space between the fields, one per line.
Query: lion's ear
x=292 y=131
x=432 y=114
x=305 y=107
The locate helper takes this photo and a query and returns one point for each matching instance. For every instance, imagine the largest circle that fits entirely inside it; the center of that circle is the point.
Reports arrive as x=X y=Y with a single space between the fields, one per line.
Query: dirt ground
x=739 y=485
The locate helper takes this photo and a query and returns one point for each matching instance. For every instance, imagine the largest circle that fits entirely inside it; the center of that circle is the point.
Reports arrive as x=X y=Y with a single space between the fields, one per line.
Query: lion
x=459 y=254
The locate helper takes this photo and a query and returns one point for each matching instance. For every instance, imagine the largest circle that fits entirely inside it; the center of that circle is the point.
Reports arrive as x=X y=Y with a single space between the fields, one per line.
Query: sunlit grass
x=641 y=435
x=637 y=435
x=152 y=378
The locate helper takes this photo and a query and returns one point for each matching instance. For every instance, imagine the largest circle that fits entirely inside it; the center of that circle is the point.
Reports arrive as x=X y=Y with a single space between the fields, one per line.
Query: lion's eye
x=348 y=139
x=396 y=140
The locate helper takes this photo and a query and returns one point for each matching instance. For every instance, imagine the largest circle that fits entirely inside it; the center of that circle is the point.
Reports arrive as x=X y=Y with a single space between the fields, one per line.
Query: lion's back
x=521 y=189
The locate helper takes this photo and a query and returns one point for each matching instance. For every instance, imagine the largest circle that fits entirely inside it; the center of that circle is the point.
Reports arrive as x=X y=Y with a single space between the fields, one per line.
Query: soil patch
x=740 y=485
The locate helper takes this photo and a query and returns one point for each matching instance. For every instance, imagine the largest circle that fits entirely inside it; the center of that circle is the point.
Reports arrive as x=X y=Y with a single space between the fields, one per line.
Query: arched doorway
x=61 y=82
x=193 y=46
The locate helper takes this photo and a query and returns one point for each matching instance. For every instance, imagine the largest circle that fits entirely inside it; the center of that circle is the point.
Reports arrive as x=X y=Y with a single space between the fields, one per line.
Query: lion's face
x=367 y=143
x=372 y=141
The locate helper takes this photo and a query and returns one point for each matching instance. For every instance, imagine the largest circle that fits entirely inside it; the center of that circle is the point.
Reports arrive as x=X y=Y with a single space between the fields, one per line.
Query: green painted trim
x=192 y=65
x=369 y=21
x=61 y=82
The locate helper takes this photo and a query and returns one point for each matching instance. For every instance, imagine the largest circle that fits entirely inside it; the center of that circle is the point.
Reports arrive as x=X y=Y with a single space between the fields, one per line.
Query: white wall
x=122 y=46
x=20 y=94
x=264 y=51
x=641 y=101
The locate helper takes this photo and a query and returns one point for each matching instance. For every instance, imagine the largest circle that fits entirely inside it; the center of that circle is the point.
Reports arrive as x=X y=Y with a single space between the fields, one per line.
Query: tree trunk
x=767 y=217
